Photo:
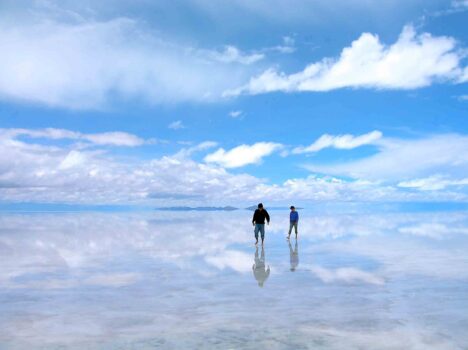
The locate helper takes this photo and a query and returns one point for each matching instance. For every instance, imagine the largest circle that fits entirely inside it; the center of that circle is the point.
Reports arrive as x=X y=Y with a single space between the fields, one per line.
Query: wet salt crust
x=188 y=280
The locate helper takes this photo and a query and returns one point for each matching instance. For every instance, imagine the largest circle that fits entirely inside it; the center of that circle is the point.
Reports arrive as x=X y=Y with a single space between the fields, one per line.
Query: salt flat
x=383 y=280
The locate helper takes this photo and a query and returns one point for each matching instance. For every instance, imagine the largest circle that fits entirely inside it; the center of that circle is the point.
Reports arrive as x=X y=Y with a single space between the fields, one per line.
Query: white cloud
x=116 y=138
x=464 y=76
x=243 y=154
x=46 y=249
x=346 y=274
x=112 y=280
x=316 y=188
x=73 y=159
x=403 y=160
x=286 y=47
x=346 y=141
x=85 y=64
x=236 y=260
x=456 y=6
x=176 y=125
x=235 y=114
x=436 y=230
x=231 y=54
x=58 y=173
x=433 y=183
x=460 y=4
x=288 y=41
x=413 y=61
x=51 y=242
x=187 y=152
x=463 y=98
x=38 y=173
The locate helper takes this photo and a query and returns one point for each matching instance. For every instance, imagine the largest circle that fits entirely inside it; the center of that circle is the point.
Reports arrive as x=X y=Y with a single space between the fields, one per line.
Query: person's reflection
x=293 y=256
x=260 y=273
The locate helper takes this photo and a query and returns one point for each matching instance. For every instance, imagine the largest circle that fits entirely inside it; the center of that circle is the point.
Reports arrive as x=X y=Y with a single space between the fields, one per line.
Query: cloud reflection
x=136 y=279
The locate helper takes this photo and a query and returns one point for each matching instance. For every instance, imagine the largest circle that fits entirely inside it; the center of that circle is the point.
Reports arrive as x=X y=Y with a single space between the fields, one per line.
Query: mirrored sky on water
x=171 y=280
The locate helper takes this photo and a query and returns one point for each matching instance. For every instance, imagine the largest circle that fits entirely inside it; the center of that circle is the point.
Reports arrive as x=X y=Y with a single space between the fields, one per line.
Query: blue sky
x=200 y=102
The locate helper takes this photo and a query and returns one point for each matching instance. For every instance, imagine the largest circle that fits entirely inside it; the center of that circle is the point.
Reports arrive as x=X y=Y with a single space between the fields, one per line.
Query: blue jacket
x=294 y=216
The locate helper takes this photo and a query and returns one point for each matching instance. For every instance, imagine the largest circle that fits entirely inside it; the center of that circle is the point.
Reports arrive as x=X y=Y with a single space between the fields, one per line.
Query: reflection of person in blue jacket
x=293 y=220
x=293 y=256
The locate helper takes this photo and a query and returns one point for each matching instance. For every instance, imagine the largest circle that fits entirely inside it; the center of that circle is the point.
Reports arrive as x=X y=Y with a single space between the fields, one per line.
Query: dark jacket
x=260 y=216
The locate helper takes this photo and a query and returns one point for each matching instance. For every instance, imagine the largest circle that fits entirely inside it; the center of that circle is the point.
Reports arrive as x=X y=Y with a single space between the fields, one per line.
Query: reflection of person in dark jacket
x=260 y=273
x=258 y=221
x=293 y=256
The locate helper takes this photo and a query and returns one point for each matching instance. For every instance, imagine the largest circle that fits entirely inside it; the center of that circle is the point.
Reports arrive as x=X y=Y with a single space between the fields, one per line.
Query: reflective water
x=195 y=280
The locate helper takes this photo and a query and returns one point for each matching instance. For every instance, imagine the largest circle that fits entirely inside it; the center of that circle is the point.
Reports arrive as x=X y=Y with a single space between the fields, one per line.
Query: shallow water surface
x=195 y=280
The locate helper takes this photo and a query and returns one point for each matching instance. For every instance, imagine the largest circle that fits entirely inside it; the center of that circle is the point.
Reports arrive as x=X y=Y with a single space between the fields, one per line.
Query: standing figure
x=260 y=271
x=258 y=221
x=293 y=220
x=293 y=256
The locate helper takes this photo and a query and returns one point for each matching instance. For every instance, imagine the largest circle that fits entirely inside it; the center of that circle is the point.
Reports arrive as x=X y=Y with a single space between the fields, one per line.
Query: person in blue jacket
x=293 y=220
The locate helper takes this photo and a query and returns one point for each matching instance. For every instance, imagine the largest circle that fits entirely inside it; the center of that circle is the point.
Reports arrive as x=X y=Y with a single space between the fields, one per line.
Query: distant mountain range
x=253 y=207
x=227 y=208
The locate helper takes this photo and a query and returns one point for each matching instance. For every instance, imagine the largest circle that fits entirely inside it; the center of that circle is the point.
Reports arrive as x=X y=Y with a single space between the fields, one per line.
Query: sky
x=156 y=103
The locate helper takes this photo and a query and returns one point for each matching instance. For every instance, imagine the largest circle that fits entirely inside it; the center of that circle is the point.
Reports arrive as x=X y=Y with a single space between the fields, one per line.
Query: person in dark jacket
x=258 y=221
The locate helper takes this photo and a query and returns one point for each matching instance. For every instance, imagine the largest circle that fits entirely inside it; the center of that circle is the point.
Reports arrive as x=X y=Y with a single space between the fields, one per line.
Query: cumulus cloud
x=317 y=188
x=242 y=155
x=32 y=172
x=413 y=61
x=403 y=160
x=69 y=173
x=115 y=138
x=346 y=141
